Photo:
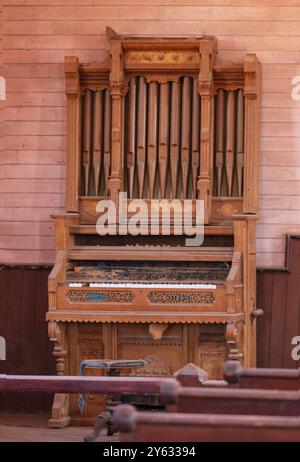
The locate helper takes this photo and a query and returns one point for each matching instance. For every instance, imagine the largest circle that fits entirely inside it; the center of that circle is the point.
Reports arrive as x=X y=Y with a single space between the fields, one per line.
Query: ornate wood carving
x=161 y=118
x=162 y=298
x=60 y=409
x=205 y=88
x=100 y=296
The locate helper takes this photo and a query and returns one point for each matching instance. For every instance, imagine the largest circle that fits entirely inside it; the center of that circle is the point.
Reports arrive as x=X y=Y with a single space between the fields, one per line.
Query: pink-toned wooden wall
x=37 y=34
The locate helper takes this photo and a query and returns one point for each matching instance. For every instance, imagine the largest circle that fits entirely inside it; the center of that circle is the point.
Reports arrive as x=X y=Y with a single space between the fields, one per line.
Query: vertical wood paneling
x=22 y=314
x=264 y=294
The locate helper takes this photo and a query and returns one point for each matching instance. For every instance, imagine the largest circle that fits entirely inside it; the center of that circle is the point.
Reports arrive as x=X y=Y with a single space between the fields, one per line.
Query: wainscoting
x=24 y=303
x=278 y=294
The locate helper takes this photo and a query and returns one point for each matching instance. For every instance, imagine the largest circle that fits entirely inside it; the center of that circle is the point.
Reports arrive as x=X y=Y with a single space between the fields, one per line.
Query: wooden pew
x=181 y=427
x=277 y=379
x=188 y=376
x=230 y=401
x=82 y=384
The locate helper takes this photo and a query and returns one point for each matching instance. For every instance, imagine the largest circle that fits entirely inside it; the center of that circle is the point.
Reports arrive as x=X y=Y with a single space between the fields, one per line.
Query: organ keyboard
x=161 y=118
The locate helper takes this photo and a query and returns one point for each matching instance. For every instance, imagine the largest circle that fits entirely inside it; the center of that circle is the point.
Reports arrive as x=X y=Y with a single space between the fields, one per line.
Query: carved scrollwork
x=56 y=333
x=197 y=298
x=100 y=296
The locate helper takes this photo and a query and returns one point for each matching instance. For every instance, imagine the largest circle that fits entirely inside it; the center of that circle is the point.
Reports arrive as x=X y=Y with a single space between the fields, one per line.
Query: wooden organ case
x=161 y=118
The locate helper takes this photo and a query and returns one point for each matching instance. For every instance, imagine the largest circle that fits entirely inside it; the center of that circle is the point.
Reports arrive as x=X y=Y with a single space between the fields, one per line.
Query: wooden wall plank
x=277 y=327
x=22 y=313
x=38 y=34
x=264 y=295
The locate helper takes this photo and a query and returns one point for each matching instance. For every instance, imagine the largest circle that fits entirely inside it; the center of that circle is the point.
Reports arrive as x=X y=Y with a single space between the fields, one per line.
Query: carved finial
x=112 y=34
x=232 y=371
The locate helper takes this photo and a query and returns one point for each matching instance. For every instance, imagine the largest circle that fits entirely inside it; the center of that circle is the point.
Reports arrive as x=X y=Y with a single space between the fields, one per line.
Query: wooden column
x=252 y=128
x=60 y=410
x=73 y=132
x=205 y=89
x=118 y=90
x=245 y=242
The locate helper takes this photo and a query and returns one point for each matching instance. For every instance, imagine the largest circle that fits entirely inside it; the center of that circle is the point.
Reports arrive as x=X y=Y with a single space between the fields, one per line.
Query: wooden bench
x=84 y=384
x=181 y=427
x=276 y=379
x=230 y=401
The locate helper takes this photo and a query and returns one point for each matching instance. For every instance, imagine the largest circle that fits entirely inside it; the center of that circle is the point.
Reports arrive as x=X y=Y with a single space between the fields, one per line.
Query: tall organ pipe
x=131 y=135
x=185 y=133
x=97 y=140
x=163 y=151
x=195 y=137
x=107 y=138
x=175 y=135
x=230 y=129
x=152 y=136
x=141 y=152
x=240 y=141
x=87 y=139
x=220 y=139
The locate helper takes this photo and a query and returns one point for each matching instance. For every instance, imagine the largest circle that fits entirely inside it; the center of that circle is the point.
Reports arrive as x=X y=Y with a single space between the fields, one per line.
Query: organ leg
x=234 y=334
x=60 y=409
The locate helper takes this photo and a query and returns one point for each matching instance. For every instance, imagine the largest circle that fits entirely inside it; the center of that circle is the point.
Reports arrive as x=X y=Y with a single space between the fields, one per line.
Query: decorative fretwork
x=152 y=274
x=100 y=296
x=201 y=298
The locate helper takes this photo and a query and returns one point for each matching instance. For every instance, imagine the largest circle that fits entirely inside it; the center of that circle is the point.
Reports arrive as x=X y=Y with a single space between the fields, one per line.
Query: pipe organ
x=160 y=119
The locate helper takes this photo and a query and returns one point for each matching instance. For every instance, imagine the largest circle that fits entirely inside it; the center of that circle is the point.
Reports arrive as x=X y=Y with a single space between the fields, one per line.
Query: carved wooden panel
x=86 y=343
x=212 y=350
x=135 y=341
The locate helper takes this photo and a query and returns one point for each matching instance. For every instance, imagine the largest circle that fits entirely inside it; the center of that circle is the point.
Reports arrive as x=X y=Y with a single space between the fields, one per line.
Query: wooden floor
x=33 y=428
